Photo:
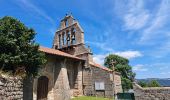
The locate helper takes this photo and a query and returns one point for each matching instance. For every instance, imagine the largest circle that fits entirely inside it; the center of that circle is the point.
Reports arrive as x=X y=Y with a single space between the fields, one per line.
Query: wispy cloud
x=151 y=25
x=29 y=6
x=126 y=54
x=165 y=73
x=152 y=70
x=102 y=46
x=129 y=54
x=163 y=66
x=136 y=16
x=133 y=22
x=132 y=13
x=158 y=22
x=139 y=67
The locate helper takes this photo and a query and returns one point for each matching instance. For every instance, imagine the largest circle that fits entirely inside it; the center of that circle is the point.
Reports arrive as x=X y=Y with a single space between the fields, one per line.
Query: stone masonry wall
x=117 y=81
x=28 y=88
x=87 y=82
x=100 y=75
x=11 y=88
x=153 y=93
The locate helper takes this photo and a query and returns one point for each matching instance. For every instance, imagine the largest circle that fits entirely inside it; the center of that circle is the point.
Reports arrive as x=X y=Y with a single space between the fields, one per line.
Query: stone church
x=70 y=70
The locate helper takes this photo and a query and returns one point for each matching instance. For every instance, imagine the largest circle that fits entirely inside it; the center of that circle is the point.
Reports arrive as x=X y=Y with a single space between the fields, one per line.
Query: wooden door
x=42 y=88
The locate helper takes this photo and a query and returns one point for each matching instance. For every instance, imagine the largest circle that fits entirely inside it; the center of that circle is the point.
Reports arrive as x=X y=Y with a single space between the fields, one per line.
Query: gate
x=125 y=96
x=42 y=88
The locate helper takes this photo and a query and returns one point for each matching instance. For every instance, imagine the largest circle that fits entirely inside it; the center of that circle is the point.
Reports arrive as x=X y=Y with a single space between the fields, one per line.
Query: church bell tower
x=68 y=34
x=69 y=38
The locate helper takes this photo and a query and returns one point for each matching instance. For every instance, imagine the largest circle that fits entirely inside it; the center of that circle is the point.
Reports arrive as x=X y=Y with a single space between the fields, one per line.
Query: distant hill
x=165 y=82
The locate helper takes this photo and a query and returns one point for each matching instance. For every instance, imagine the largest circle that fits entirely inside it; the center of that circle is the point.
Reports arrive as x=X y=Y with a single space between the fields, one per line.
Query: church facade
x=70 y=70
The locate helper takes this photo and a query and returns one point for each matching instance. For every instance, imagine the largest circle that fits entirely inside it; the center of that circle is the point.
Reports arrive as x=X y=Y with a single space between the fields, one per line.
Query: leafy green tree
x=18 y=51
x=143 y=84
x=153 y=83
x=121 y=65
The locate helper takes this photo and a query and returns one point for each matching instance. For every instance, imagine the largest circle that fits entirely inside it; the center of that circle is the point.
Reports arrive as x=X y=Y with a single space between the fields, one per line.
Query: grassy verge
x=90 y=98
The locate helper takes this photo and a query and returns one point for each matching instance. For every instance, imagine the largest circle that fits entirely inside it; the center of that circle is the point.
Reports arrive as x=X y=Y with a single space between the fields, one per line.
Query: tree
x=153 y=83
x=18 y=51
x=143 y=84
x=121 y=65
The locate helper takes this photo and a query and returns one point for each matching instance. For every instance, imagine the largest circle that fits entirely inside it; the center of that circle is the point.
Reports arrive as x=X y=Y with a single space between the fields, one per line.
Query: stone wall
x=117 y=81
x=100 y=75
x=87 y=82
x=152 y=93
x=11 y=88
x=65 y=78
x=28 y=88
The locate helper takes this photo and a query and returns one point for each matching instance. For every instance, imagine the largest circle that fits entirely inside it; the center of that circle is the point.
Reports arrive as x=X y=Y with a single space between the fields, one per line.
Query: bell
x=73 y=37
x=68 y=37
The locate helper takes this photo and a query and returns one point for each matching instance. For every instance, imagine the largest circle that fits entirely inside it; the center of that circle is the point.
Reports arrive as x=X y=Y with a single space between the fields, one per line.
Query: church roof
x=99 y=66
x=57 y=52
x=102 y=67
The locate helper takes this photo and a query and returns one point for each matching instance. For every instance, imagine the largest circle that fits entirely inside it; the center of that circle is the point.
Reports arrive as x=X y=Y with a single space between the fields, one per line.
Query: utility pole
x=114 y=87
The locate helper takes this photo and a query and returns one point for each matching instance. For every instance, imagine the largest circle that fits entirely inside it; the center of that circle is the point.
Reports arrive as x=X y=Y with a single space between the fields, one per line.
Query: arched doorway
x=42 y=88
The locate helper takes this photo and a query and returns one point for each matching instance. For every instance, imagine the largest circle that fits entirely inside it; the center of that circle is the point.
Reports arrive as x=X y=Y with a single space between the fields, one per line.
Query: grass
x=90 y=98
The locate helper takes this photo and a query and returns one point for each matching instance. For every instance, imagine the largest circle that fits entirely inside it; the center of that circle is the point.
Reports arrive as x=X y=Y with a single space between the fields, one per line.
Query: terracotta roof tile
x=57 y=52
x=104 y=68
x=99 y=66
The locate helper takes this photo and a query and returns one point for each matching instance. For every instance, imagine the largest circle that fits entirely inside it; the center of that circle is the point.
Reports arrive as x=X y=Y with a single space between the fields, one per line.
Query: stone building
x=70 y=70
x=69 y=38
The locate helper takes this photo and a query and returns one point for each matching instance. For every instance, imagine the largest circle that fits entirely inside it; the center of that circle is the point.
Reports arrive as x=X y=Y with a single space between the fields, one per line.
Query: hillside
x=165 y=82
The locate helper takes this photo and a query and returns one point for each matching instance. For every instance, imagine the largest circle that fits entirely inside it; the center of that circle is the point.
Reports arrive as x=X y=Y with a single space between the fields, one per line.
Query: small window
x=66 y=23
x=99 y=86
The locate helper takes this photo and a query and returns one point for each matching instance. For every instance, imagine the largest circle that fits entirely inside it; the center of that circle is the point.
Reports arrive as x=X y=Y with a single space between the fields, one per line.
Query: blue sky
x=135 y=29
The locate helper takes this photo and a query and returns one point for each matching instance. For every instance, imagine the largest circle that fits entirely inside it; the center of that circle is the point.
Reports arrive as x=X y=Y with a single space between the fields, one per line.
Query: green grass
x=90 y=98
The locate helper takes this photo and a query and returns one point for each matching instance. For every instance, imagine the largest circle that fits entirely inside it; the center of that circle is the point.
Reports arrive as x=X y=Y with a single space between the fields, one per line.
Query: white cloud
x=165 y=73
x=127 y=54
x=27 y=5
x=99 y=58
x=151 y=24
x=102 y=46
x=132 y=21
x=157 y=23
x=133 y=13
x=136 y=16
x=139 y=67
